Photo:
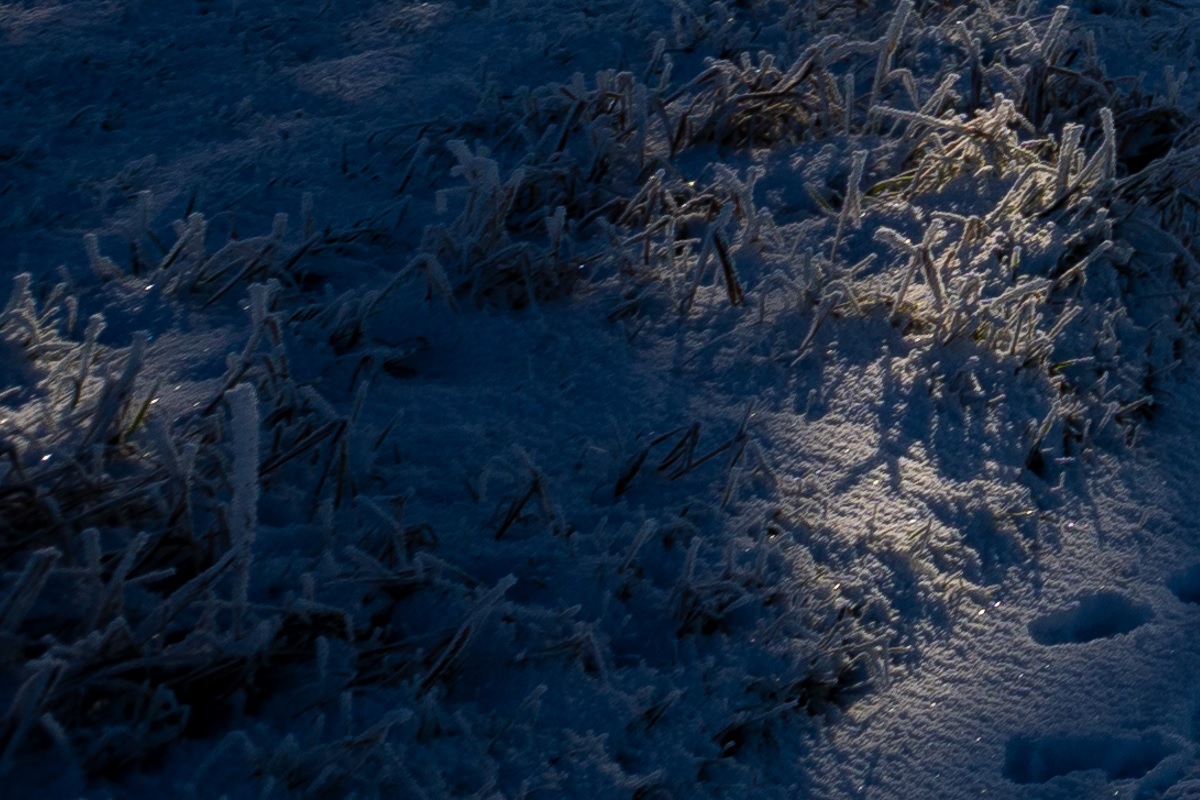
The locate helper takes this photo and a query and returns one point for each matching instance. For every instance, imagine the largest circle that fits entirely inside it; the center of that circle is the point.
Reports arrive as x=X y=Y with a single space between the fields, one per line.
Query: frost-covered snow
x=606 y=399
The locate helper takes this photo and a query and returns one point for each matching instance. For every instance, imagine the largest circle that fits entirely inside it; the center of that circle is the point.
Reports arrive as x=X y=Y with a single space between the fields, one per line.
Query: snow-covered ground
x=573 y=398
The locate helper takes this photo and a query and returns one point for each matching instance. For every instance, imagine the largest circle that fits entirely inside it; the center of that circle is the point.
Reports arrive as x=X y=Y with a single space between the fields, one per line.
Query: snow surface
x=703 y=488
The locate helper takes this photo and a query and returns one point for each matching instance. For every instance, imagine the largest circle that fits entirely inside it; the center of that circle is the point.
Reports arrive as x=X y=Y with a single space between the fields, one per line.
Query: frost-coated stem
x=888 y=49
x=848 y=101
x=114 y=394
x=243 y=402
x=852 y=205
x=1050 y=42
x=27 y=588
x=1066 y=156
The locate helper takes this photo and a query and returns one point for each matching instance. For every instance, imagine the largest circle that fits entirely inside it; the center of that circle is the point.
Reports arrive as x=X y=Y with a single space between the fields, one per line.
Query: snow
x=584 y=399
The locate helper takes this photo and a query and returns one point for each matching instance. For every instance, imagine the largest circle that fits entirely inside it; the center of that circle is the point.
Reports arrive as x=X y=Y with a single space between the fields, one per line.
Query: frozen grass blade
x=888 y=47
x=852 y=205
x=25 y=591
x=243 y=509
